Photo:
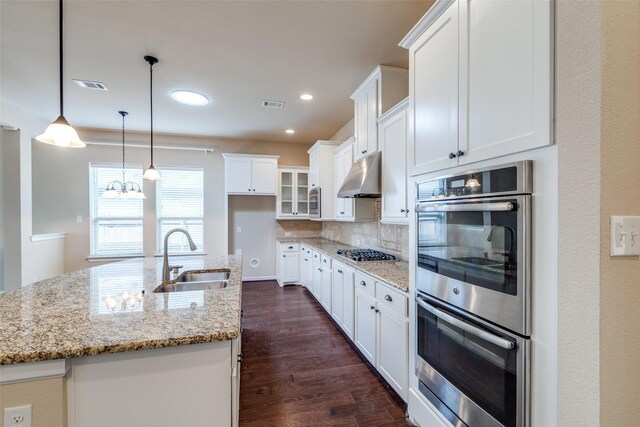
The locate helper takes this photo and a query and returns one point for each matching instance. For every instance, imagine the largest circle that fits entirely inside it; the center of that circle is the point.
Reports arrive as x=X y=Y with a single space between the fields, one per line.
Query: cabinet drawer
x=365 y=283
x=316 y=257
x=391 y=298
x=289 y=247
x=326 y=261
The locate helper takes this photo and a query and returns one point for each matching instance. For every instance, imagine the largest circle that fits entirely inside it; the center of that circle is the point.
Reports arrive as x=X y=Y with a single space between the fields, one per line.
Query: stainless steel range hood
x=363 y=180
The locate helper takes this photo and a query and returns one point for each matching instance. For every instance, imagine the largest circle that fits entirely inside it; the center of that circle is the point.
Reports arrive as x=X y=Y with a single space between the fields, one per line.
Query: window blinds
x=116 y=224
x=180 y=204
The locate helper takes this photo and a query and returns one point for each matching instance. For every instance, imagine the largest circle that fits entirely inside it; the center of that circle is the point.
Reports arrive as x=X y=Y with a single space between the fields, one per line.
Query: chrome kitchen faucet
x=165 y=265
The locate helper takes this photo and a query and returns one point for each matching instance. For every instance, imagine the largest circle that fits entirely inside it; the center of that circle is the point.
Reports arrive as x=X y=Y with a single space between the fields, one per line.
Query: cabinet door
x=325 y=297
x=433 y=88
x=304 y=259
x=310 y=269
x=291 y=267
x=393 y=139
x=337 y=294
x=373 y=113
x=340 y=175
x=347 y=162
x=365 y=325
x=286 y=202
x=348 y=301
x=361 y=124
x=302 y=194
x=505 y=77
x=264 y=176
x=314 y=169
x=393 y=348
x=238 y=175
x=316 y=286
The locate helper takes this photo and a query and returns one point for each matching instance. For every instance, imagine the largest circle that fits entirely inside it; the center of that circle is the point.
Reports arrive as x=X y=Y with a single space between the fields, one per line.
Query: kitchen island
x=91 y=325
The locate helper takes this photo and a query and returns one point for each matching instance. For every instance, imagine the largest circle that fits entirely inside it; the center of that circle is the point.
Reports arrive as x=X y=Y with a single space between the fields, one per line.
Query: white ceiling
x=236 y=52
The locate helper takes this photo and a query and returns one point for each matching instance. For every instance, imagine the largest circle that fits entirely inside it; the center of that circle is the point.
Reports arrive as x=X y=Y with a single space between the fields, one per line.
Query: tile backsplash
x=298 y=229
x=390 y=238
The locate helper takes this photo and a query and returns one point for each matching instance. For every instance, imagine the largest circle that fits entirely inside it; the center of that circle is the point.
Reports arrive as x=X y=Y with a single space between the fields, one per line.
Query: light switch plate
x=625 y=235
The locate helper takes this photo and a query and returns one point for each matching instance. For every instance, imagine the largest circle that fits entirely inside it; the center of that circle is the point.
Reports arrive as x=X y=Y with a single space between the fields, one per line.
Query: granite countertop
x=83 y=313
x=395 y=273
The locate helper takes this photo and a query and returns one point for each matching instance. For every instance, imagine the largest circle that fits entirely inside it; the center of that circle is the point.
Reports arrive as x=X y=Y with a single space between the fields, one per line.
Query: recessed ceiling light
x=189 y=97
x=306 y=97
x=290 y=131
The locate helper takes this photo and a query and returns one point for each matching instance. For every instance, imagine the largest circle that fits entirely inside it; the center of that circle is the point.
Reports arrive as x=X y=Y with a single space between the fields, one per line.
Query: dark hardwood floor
x=299 y=370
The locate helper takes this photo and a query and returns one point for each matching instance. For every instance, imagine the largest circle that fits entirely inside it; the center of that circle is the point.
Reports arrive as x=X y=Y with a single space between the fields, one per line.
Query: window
x=116 y=224
x=180 y=204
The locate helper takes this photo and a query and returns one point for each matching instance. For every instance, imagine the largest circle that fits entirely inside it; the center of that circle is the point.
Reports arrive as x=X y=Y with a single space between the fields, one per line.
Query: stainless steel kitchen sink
x=202 y=276
x=196 y=280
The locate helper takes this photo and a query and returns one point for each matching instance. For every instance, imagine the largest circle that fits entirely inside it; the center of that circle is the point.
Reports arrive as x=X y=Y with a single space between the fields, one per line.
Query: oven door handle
x=481 y=333
x=467 y=207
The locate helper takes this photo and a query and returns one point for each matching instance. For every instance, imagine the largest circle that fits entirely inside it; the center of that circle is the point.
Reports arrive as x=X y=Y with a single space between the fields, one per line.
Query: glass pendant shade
x=151 y=174
x=61 y=133
x=472 y=183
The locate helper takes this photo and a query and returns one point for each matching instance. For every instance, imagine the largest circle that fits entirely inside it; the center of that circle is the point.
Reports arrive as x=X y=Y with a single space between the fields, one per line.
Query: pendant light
x=60 y=132
x=151 y=173
x=123 y=189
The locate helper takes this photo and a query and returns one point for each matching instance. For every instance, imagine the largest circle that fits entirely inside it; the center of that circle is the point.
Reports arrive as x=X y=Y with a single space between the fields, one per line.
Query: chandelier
x=123 y=189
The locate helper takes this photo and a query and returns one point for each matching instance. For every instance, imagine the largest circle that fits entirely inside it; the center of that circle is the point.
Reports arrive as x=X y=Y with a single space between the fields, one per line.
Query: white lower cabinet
x=342 y=297
x=316 y=276
x=325 y=294
x=382 y=331
x=306 y=264
x=393 y=340
x=365 y=333
x=288 y=264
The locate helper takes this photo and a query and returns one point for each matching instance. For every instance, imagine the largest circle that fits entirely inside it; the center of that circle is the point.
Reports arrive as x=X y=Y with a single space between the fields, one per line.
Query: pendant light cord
x=61 y=69
x=151 y=102
x=123 y=114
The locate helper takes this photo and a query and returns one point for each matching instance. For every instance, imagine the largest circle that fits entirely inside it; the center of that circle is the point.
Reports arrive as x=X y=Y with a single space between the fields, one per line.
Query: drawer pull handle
x=373 y=308
x=290 y=247
x=363 y=283
x=388 y=298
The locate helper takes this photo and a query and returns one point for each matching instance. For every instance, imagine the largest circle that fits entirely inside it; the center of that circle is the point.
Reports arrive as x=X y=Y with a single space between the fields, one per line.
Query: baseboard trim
x=258 y=278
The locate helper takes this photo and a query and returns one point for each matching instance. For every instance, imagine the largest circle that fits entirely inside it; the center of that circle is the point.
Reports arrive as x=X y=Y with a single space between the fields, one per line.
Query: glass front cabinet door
x=293 y=193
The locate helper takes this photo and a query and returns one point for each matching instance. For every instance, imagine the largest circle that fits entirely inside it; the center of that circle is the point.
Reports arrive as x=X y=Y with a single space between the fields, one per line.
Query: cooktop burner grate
x=365 y=255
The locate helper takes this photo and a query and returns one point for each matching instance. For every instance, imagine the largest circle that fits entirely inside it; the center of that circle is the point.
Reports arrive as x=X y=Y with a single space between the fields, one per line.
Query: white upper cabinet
x=480 y=82
x=349 y=209
x=382 y=89
x=392 y=134
x=433 y=88
x=343 y=162
x=322 y=175
x=250 y=174
x=293 y=193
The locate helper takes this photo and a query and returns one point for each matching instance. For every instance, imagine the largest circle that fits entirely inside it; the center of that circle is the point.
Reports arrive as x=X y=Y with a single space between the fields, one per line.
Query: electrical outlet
x=19 y=416
x=287 y=234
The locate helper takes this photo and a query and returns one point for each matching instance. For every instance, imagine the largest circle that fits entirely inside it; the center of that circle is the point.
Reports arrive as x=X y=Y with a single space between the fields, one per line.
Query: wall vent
x=90 y=85
x=273 y=104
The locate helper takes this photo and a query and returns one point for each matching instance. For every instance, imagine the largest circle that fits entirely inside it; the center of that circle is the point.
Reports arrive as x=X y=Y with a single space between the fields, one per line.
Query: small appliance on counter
x=365 y=255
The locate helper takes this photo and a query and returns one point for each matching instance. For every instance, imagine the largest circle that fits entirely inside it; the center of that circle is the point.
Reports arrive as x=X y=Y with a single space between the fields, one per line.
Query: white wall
x=255 y=215
x=578 y=68
x=18 y=178
x=61 y=184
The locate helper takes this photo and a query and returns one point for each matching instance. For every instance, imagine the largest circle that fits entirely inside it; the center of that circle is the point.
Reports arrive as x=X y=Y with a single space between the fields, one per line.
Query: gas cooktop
x=365 y=255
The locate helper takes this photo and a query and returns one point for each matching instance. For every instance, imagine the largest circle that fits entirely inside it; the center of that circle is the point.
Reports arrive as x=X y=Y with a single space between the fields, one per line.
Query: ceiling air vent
x=90 y=85
x=273 y=104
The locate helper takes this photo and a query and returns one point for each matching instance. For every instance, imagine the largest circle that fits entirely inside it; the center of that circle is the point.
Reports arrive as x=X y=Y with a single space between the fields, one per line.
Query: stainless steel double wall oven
x=473 y=294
